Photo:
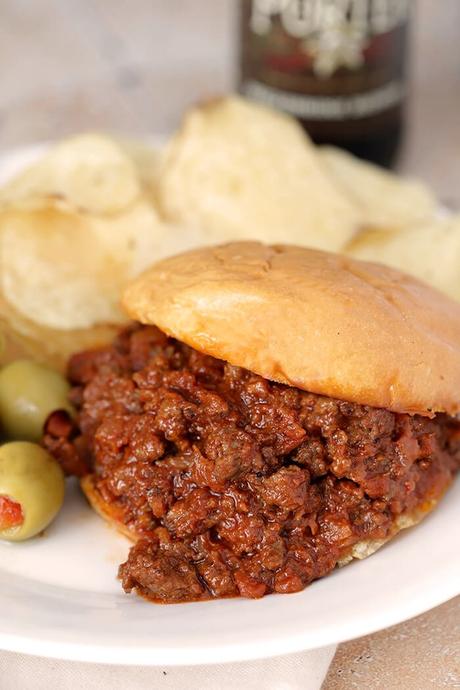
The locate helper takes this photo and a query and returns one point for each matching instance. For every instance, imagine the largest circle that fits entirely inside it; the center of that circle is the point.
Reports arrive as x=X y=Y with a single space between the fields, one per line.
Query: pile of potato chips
x=93 y=212
x=75 y=227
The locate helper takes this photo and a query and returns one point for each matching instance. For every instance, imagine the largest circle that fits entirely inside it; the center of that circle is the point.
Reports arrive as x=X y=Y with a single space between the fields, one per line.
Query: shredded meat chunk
x=236 y=485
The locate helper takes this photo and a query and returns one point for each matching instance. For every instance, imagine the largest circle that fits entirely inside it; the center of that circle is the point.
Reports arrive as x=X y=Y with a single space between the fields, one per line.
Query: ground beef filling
x=236 y=485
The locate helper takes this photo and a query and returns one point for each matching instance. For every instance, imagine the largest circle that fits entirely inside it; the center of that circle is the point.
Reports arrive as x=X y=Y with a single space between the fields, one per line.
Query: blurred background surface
x=72 y=65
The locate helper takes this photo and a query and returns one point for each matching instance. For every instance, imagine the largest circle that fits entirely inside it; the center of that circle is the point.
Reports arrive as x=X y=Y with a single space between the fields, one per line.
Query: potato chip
x=67 y=270
x=383 y=199
x=25 y=338
x=75 y=227
x=57 y=269
x=140 y=237
x=89 y=173
x=429 y=251
x=146 y=158
x=239 y=170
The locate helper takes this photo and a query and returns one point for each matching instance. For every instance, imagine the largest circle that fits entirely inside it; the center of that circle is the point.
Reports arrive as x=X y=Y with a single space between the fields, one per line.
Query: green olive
x=31 y=490
x=29 y=392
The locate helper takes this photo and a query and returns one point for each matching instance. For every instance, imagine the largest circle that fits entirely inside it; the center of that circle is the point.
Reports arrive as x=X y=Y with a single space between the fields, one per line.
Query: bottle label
x=356 y=106
x=325 y=59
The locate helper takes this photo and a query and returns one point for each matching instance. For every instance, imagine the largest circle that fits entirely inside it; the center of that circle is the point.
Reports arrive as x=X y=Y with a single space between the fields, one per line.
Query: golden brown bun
x=318 y=321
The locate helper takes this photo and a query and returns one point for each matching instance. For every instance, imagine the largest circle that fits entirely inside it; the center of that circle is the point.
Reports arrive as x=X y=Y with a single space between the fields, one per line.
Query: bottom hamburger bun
x=358 y=551
x=367 y=547
x=103 y=509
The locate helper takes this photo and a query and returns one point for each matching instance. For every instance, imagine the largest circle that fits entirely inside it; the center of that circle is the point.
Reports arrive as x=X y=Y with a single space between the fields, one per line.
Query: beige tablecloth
x=303 y=671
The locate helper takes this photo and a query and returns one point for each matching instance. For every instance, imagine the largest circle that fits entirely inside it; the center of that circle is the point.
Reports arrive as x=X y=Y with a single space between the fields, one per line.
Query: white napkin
x=302 y=671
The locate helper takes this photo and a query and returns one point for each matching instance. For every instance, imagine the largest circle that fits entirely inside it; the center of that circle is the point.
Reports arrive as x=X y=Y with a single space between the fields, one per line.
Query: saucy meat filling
x=232 y=484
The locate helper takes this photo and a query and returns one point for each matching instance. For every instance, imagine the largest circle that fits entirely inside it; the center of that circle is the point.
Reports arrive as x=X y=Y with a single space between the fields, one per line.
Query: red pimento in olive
x=31 y=490
x=11 y=514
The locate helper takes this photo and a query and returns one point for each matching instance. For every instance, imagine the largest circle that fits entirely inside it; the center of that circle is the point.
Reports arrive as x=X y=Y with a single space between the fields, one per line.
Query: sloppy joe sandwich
x=272 y=412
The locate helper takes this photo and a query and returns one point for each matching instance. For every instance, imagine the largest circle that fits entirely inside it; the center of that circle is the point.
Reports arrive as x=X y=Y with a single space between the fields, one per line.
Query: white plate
x=59 y=596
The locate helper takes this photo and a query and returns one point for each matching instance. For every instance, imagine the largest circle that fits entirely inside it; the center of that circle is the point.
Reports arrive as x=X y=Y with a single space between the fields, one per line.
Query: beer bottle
x=339 y=66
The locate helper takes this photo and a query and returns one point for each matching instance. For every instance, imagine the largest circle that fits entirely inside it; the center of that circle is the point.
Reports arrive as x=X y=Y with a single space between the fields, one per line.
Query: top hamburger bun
x=318 y=321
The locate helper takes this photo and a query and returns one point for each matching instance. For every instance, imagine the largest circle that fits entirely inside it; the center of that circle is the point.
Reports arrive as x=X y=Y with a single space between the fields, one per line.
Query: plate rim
x=149 y=656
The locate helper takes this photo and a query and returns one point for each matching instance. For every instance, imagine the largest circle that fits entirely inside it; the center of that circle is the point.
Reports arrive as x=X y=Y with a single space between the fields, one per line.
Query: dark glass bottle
x=339 y=66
